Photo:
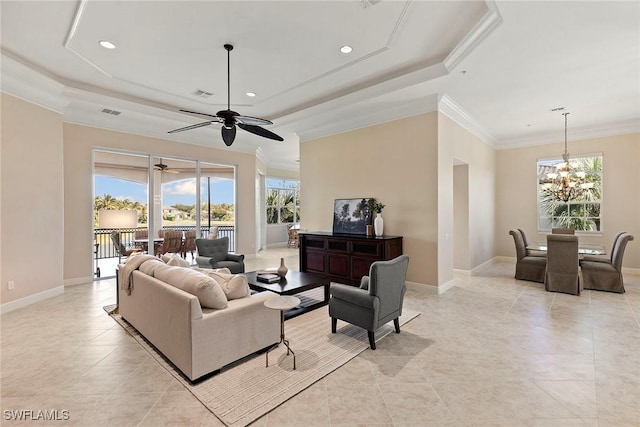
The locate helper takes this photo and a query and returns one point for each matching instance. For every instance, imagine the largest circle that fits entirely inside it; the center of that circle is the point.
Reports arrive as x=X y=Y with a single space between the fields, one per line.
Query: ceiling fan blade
x=260 y=132
x=201 y=114
x=199 y=125
x=253 y=121
x=228 y=135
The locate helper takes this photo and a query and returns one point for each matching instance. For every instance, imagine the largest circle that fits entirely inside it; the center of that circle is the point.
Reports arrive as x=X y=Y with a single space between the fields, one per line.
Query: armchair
x=214 y=253
x=378 y=300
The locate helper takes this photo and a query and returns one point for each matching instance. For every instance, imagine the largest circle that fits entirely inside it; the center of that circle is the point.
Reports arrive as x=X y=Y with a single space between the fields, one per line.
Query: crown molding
x=489 y=22
x=372 y=118
x=24 y=82
x=451 y=109
x=623 y=127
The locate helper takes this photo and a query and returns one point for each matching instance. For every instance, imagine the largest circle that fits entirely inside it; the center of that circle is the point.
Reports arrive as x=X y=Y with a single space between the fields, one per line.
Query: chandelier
x=565 y=184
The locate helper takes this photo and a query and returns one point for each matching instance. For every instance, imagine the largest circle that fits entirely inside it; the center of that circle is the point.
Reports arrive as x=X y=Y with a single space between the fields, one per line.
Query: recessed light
x=346 y=49
x=251 y=94
x=107 y=44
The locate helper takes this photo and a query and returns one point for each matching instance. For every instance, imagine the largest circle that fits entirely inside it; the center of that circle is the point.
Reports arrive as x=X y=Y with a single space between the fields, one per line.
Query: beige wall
x=461 y=217
x=32 y=199
x=78 y=144
x=460 y=144
x=517 y=186
x=394 y=162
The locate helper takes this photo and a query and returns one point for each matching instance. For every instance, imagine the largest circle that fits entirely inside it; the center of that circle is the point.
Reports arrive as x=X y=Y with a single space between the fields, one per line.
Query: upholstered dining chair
x=377 y=301
x=603 y=258
x=562 y=231
x=214 y=253
x=563 y=269
x=172 y=243
x=606 y=276
x=529 y=268
x=531 y=252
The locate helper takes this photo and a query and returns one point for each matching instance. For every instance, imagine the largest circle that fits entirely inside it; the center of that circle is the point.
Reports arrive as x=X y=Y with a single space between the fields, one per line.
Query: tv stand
x=345 y=258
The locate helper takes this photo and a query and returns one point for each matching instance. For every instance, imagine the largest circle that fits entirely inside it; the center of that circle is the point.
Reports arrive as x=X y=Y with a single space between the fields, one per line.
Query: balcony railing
x=104 y=247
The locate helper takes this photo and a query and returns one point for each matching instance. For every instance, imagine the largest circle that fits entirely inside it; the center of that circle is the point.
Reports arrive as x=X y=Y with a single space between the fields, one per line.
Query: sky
x=174 y=192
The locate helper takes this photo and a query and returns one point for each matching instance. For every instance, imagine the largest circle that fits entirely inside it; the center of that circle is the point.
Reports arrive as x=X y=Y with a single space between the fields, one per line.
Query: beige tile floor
x=492 y=351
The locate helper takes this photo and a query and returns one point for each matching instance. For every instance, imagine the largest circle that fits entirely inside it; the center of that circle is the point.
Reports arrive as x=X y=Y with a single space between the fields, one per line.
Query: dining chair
x=563 y=269
x=603 y=258
x=529 y=268
x=172 y=243
x=607 y=276
x=531 y=252
x=562 y=231
x=189 y=244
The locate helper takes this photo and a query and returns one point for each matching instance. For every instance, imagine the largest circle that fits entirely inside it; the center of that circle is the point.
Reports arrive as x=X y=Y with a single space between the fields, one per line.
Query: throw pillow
x=234 y=286
x=150 y=267
x=175 y=260
x=209 y=293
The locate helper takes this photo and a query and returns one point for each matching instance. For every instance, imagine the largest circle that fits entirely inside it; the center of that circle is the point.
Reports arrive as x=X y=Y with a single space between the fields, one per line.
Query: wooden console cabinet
x=345 y=258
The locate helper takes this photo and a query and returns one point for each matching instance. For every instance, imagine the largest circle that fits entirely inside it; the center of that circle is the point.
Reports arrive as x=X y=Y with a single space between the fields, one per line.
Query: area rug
x=247 y=389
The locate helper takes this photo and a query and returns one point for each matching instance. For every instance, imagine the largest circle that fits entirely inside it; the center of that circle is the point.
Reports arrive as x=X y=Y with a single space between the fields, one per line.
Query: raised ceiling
x=496 y=67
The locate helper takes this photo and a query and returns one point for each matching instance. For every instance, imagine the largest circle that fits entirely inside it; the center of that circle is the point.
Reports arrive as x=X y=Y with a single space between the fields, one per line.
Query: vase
x=378 y=224
x=282 y=270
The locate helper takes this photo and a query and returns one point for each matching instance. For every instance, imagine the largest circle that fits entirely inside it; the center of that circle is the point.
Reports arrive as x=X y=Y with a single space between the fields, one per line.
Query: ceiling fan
x=164 y=168
x=230 y=119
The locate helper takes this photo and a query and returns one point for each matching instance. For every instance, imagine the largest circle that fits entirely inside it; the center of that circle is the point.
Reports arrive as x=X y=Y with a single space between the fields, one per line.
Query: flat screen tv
x=351 y=216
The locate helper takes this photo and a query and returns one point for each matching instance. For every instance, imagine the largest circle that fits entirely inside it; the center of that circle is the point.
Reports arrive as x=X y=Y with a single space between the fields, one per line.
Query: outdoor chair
x=607 y=276
x=214 y=253
x=120 y=248
x=529 y=268
x=189 y=244
x=377 y=301
x=293 y=237
x=171 y=243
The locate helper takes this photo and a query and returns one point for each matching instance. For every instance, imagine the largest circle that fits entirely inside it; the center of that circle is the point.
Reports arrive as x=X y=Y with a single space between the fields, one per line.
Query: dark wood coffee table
x=294 y=283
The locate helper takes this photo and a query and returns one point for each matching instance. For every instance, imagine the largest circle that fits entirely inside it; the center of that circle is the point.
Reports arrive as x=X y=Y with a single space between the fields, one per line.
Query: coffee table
x=294 y=283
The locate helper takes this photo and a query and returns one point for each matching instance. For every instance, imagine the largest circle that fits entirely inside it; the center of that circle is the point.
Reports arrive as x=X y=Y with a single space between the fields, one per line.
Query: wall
x=32 y=201
x=461 y=259
x=517 y=187
x=395 y=162
x=78 y=192
x=460 y=144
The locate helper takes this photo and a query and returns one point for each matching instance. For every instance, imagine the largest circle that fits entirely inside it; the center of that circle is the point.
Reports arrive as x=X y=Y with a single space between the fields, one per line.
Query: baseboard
x=31 y=299
x=633 y=271
x=463 y=272
x=435 y=290
x=78 y=281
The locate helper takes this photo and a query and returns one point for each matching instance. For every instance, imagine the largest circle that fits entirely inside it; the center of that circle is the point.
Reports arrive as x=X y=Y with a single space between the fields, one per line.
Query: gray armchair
x=378 y=300
x=602 y=275
x=563 y=269
x=214 y=253
x=530 y=268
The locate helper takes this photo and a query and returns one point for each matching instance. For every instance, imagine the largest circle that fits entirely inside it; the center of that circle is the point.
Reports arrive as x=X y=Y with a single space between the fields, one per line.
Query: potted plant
x=378 y=223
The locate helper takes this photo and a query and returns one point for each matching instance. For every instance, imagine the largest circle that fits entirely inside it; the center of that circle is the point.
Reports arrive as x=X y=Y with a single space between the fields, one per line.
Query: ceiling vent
x=112 y=112
x=202 y=93
x=368 y=3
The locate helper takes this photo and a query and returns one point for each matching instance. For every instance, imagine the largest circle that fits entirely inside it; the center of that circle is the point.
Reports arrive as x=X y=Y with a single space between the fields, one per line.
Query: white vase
x=282 y=270
x=378 y=225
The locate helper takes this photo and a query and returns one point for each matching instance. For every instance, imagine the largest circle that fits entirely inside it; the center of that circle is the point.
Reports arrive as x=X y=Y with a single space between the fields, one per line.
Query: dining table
x=583 y=248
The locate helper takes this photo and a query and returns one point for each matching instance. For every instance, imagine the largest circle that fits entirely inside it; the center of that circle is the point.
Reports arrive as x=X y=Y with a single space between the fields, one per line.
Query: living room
x=412 y=163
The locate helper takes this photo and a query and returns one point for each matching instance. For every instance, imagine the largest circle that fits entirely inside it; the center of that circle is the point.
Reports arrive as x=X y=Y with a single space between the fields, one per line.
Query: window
x=282 y=201
x=580 y=214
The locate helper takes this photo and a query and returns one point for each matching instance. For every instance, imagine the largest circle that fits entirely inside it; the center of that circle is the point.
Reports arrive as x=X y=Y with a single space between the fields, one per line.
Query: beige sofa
x=196 y=340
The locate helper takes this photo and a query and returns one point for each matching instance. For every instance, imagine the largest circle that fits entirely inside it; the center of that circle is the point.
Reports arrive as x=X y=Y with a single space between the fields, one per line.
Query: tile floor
x=492 y=351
